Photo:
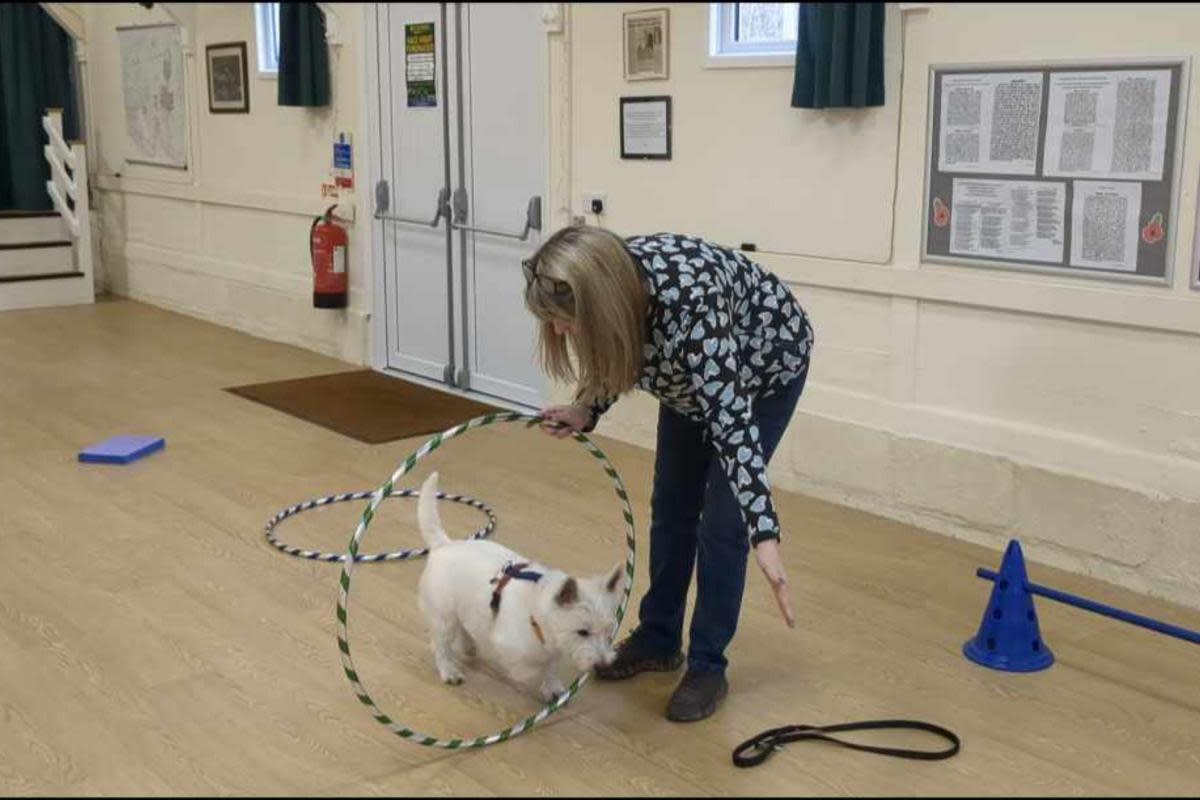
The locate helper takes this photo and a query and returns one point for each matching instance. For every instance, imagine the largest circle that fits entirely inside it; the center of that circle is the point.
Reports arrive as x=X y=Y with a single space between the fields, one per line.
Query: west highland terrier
x=481 y=599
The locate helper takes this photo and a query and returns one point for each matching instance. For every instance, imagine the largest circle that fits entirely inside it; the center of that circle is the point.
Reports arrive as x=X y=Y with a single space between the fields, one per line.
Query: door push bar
x=383 y=202
x=533 y=218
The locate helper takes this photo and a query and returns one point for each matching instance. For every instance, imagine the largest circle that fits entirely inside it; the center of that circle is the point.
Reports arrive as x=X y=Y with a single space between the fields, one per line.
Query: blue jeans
x=695 y=522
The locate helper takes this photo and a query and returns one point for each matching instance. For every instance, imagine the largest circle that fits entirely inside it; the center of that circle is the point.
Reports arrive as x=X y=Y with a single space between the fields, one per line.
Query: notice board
x=1063 y=168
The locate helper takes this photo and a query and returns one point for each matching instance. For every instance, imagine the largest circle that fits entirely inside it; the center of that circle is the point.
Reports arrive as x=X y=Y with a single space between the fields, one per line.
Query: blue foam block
x=122 y=449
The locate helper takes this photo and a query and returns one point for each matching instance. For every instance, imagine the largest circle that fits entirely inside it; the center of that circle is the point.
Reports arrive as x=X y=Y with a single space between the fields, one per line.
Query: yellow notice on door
x=420 y=64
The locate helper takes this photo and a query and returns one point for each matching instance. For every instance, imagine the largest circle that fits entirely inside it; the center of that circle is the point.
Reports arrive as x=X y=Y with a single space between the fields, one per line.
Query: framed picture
x=646 y=45
x=646 y=127
x=228 y=84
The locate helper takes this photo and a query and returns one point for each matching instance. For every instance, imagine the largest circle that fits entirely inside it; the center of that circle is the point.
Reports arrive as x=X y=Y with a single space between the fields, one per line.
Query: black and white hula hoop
x=394 y=555
x=352 y=557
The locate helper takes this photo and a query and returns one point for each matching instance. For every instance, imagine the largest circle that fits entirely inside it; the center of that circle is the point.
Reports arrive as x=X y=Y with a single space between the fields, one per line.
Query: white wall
x=777 y=188
x=983 y=404
x=978 y=403
x=227 y=239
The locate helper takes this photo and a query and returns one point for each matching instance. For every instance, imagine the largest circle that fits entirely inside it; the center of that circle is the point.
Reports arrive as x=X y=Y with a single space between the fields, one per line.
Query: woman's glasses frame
x=552 y=285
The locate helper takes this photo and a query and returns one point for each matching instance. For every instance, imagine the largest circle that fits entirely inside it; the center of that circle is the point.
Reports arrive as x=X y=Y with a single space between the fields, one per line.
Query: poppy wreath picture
x=1153 y=232
x=941 y=213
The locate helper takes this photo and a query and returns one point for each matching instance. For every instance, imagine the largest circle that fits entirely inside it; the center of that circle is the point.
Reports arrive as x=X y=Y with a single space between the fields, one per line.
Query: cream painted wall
x=982 y=404
x=777 y=188
x=227 y=239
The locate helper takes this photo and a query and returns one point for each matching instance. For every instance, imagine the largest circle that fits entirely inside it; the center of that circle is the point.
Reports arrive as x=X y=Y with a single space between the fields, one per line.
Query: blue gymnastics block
x=122 y=449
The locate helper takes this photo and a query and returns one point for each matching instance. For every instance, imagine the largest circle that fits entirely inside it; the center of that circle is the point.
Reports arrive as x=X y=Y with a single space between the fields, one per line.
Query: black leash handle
x=767 y=742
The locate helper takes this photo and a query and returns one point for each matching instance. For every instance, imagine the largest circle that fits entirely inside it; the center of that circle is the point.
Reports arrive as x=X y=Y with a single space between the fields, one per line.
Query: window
x=752 y=34
x=266 y=23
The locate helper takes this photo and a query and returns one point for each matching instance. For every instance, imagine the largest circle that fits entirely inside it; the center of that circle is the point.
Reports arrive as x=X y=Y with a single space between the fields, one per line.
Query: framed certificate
x=646 y=127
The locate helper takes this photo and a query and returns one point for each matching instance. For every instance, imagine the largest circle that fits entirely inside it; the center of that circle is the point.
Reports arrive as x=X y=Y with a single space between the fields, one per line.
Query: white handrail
x=52 y=125
x=60 y=155
x=60 y=205
x=59 y=174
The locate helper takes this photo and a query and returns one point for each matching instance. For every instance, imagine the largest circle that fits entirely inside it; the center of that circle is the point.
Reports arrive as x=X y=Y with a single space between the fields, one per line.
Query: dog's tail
x=428 y=517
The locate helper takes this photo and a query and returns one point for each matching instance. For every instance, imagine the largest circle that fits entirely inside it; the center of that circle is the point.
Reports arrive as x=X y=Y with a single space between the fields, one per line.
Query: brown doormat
x=366 y=405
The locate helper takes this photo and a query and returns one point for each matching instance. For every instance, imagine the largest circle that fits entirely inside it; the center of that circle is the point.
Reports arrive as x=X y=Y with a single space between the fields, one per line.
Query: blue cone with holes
x=1008 y=637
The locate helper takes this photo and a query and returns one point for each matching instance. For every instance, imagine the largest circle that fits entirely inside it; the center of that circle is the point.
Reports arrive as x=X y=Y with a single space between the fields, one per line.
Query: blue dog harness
x=511 y=571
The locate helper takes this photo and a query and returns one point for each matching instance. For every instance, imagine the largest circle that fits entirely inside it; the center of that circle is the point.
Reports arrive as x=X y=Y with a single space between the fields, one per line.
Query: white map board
x=153 y=85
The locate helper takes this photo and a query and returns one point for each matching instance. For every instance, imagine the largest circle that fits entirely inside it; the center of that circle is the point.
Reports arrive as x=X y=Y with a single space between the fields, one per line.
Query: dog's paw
x=551 y=689
x=452 y=676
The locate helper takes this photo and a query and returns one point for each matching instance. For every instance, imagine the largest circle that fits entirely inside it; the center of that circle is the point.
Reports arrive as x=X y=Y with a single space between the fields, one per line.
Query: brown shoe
x=634 y=655
x=697 y=696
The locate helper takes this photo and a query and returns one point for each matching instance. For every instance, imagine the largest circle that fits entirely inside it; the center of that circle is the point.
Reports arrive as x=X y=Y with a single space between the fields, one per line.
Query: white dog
x=479 y=597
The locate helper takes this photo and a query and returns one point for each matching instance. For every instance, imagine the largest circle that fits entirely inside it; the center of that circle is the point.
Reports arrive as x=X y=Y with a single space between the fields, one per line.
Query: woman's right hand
x=570 y=419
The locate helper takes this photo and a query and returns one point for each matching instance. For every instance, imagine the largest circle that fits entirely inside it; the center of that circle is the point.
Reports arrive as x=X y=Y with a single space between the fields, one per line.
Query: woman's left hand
x=563 y=421
x=769 y=561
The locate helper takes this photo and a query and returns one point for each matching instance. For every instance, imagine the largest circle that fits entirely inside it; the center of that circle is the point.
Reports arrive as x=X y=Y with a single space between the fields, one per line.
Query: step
x=48 y=258
x=45 y=291
x=32 y=228
x=9 y=213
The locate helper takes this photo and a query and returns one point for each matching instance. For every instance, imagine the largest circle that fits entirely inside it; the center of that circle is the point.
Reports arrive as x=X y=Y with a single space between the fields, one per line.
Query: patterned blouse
x=723 y=331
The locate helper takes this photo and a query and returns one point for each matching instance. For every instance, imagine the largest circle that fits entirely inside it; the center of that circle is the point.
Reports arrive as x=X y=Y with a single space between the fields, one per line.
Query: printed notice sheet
x=644 y=128
x=1020 y=220
x=1104 y=225
x=989 y=122
x=1107 y=124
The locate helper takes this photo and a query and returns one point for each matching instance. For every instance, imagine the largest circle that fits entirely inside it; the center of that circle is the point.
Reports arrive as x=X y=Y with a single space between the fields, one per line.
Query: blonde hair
x=606 y=302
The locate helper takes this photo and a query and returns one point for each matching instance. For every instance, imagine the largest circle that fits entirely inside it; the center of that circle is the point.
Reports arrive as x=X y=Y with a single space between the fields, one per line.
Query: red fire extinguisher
x=327 y=246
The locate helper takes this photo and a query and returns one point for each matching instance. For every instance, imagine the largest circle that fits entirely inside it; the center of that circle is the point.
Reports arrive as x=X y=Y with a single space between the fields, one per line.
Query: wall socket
x=595 y=203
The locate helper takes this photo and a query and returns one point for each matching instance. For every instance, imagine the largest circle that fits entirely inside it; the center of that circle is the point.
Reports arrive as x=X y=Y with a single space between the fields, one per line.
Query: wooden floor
x=151 y=643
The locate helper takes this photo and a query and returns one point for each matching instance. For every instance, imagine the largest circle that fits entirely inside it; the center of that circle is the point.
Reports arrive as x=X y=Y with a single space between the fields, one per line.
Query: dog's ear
x=568 y=594
x=614 y=580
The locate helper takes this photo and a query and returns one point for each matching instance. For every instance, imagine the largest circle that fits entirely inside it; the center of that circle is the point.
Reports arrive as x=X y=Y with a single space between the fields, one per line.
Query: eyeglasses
x=552 y=285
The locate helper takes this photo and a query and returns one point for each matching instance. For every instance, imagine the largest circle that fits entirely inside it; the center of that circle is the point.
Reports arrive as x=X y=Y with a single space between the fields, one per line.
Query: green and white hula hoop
x=343 y=634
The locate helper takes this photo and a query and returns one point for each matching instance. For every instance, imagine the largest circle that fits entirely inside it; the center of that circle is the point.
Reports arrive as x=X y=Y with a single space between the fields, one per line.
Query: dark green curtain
x=35 y=74
x=303 y=56
x=839 y=56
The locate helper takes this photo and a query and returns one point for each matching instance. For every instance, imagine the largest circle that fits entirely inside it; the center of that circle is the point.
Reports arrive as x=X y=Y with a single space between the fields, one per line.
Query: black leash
x=767 y=742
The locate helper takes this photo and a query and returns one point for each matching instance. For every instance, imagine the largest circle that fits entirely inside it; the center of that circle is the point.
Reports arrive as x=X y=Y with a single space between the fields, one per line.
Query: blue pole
x=1101 y=608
